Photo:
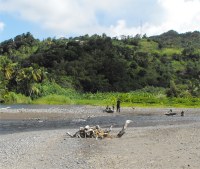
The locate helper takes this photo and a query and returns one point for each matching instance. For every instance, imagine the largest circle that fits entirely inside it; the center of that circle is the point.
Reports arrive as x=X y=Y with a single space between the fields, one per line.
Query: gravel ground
x=42 y=150
x=174 y=144
x=157 y=147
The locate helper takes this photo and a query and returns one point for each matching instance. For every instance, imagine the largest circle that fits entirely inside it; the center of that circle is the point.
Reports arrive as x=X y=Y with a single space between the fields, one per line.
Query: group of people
x=113 y=107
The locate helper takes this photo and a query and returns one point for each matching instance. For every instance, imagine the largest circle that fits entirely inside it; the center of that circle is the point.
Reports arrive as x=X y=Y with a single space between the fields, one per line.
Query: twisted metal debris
x=97 y=132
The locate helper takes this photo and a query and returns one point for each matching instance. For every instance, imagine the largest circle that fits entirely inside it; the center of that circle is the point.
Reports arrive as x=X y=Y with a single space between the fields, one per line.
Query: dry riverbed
x=172 y=143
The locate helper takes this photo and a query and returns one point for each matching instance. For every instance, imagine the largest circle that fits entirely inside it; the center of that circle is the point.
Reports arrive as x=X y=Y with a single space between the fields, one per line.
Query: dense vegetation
x=159 y=67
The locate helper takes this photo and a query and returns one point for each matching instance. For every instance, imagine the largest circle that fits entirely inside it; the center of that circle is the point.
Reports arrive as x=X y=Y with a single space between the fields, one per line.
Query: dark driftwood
x=97 y=132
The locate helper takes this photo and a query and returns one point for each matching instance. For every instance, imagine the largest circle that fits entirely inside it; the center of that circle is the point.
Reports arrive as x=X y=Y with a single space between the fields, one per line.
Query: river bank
x=157 y=147
x=19 y=118
x=152 y=141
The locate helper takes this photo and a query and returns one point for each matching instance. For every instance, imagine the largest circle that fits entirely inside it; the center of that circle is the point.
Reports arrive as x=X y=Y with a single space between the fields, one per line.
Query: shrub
x=52 y=88
x=12 y=98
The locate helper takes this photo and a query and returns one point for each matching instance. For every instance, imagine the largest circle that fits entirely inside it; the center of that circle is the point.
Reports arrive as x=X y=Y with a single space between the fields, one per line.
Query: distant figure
x=107 y=107
x=182 y=113
x=118 y=105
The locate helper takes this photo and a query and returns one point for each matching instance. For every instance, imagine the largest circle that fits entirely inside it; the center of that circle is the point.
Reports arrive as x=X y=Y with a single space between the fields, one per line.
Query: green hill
x=101 y=64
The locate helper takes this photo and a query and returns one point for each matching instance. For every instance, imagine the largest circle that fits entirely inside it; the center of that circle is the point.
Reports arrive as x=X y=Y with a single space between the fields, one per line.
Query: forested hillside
x=101 y=64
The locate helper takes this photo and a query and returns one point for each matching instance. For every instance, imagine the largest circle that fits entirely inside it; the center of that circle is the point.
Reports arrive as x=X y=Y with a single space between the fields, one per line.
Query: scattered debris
x=170 y=113
x=122 y=132
x=40 y=121
x=79 y=120
x=97 y=132
x=109 y=110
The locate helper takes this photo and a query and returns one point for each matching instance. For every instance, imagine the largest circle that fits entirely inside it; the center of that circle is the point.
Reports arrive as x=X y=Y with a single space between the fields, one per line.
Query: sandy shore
x=155 y=147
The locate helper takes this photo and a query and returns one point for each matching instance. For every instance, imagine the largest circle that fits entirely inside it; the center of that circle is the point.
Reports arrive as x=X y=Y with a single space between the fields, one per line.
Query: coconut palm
x=27 y=78
x=7 y=67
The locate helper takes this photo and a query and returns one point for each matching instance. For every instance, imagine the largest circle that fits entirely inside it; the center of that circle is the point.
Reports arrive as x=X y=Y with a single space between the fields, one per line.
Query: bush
x=52 y=88
x=13 y=98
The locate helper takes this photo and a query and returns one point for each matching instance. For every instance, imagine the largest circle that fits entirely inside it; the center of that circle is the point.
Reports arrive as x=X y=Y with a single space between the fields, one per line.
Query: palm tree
x=7 y=67
x=27 y=78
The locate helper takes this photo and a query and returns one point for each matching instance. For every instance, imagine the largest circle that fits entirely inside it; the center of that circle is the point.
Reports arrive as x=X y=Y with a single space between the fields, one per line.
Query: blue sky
x=66 y=18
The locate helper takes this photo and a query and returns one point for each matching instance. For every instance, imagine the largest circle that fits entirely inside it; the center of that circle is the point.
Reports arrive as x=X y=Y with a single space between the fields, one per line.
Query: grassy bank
x=131 y=99
x=138 y=99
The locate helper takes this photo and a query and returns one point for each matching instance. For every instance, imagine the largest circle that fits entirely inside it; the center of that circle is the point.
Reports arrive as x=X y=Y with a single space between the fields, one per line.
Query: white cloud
x=119 y=17
x=180 y=15
x=2 y=26
x=121 y=28
x=77 y=16
x=56 y=15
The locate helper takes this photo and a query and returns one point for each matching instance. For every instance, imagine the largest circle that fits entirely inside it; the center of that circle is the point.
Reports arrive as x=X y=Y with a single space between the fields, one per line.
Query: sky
x=70 y=18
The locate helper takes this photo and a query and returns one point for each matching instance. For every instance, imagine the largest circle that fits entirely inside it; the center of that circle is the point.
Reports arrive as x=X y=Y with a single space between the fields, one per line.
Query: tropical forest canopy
x=99 y=63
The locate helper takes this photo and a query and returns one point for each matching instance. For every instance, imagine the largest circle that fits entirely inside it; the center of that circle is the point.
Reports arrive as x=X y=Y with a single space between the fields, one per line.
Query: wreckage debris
x=170 y=113
x=122 y=132
x=109 y=110
x=97 y=132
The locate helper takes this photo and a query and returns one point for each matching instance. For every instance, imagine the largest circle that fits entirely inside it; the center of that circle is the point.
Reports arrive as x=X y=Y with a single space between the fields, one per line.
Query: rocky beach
x=35 y=137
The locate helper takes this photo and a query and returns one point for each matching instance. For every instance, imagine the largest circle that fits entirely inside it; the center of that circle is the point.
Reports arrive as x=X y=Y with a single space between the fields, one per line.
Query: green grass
x=53 y=99
x=148 y=46
x=146 y=97
x=180 y=102
x=137 y=99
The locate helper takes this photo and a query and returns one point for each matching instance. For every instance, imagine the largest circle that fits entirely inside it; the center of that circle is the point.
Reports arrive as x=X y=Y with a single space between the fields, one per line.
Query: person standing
x=118 y=105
